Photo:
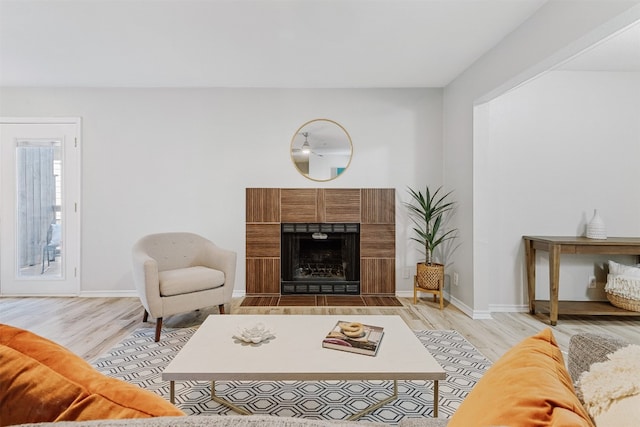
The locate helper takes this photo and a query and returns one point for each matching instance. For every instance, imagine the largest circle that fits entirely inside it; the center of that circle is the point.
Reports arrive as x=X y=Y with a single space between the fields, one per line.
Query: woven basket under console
x=622 y=302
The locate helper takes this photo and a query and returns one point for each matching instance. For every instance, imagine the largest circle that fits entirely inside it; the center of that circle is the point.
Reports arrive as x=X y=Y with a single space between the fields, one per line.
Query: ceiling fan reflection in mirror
x=306 y=147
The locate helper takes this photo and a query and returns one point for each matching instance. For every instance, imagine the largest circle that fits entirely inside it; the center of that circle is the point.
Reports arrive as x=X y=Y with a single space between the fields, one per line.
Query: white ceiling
x=249 y=43
x=264 y=43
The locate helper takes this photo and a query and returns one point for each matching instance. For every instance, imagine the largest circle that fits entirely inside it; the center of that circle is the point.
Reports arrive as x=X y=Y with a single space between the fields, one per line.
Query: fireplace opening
x=320 y=258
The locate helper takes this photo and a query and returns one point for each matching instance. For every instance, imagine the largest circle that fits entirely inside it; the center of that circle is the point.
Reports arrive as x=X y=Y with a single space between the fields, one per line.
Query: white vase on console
x=596 y=228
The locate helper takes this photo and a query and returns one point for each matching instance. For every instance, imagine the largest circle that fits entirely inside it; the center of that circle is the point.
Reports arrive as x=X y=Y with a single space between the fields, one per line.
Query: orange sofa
x=41 y=381
x=529 y=385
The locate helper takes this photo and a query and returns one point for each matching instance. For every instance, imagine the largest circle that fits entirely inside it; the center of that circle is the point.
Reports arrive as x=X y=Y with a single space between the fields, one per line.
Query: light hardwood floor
x=90 y=326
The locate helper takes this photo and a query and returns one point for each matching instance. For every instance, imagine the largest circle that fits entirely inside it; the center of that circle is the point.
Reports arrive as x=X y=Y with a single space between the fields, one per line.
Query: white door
x=40 y=211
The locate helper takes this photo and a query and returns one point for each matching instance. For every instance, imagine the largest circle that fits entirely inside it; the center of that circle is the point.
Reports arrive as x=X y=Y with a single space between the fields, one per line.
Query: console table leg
x=554 y=279
x=530 y=261
x=172 y=392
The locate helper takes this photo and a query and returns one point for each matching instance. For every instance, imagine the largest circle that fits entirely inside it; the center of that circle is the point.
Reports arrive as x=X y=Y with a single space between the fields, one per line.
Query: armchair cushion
x=189 y=279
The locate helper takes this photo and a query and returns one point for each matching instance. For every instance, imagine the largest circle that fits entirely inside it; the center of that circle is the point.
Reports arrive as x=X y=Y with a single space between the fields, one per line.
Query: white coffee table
x=296 y=353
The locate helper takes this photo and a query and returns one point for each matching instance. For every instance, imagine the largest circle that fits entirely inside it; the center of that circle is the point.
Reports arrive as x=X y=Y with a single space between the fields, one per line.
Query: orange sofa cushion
x=41 y=381
x=528 y=386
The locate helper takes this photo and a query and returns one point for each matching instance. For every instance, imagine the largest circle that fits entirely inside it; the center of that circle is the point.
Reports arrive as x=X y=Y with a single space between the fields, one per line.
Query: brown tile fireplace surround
x=369 y=210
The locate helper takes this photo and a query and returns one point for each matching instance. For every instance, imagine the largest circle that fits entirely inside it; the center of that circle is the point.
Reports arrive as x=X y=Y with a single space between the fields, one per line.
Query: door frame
x=77 y=235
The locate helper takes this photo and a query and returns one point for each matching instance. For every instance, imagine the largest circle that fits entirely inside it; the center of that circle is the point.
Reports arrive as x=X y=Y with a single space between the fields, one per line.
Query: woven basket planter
x=430 y=276
x=622 y=302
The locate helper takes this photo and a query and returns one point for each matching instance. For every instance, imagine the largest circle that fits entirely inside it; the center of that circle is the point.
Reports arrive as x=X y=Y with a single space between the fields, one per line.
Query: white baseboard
x=109 y=294
x=404 y=294
x=39 y=295
x=474 y=314
x=508 y=308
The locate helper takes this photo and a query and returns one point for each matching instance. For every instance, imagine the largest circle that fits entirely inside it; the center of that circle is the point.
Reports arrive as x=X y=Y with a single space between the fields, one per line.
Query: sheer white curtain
x=36 y=200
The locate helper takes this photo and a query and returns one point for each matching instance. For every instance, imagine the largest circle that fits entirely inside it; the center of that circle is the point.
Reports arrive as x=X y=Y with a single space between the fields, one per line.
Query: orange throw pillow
x=528 y=386
x=41 y=381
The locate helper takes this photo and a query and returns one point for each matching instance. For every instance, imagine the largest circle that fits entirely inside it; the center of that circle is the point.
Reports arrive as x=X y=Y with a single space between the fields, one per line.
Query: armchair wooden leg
x=221 y=308
x=145 y=316
x=158 y=328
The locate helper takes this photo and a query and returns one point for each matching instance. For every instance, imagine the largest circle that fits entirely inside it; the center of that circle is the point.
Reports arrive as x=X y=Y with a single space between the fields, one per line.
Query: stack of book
x=354 y=337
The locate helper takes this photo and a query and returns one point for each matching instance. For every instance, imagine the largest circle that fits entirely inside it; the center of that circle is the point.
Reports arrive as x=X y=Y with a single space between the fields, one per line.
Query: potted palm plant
x=426 y=211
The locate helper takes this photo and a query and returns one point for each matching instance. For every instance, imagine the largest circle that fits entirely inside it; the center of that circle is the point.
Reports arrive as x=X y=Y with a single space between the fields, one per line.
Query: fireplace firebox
x=320 y=258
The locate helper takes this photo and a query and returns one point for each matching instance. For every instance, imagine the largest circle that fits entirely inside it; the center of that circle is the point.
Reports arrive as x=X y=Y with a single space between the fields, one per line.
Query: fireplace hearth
x=320 y=258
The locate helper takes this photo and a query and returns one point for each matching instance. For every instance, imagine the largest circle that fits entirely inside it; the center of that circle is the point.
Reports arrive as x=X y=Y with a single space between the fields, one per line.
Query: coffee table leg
x=225 y=402
x=172 y=392
x=377 y=405
x=435 y=398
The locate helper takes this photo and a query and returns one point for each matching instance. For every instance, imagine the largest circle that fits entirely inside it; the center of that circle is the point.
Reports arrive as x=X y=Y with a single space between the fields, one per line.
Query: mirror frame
x=301 y=129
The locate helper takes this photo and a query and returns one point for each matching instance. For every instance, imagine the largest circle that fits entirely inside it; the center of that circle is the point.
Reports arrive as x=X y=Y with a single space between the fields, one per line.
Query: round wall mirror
x=321 y=149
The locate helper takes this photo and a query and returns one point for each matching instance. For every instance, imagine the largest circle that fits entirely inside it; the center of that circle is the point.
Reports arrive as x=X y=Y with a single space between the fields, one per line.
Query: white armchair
x=179 y=272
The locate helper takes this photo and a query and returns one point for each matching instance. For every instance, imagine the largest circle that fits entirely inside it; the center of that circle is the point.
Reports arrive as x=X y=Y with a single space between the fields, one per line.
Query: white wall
x=557 y=31
x=180 y=159
x=558 y=147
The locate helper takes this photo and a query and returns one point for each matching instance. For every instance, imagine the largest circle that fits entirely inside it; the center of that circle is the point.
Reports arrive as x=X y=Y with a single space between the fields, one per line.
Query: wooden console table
x=556 y=245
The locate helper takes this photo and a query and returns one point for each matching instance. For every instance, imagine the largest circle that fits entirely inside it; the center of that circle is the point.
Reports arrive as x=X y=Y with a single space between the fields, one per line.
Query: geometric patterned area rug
x=139 y=360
